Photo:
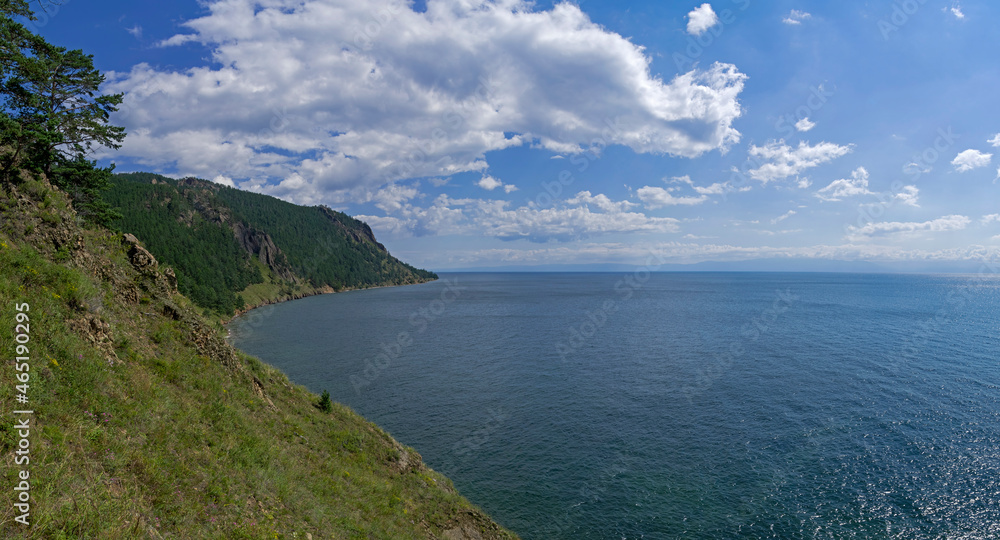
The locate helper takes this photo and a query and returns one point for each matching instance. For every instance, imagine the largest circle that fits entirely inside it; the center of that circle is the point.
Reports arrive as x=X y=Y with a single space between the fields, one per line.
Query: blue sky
x=508 y=133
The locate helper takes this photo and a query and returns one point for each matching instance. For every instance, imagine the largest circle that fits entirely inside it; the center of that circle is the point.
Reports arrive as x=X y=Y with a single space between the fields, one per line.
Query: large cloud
x=329 y=97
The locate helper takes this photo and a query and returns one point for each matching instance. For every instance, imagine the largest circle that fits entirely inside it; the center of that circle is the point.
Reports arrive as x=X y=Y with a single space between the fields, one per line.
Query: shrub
x=324 y=402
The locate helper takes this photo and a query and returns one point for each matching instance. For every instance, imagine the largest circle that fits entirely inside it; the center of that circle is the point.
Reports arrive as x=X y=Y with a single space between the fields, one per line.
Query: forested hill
x=233 y=249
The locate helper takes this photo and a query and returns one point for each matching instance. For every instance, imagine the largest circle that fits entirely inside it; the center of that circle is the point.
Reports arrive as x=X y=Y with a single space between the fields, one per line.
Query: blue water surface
x=676 y=405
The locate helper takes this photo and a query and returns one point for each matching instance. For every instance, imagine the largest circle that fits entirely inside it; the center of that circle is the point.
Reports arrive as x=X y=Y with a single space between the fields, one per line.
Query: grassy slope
x=152 y=426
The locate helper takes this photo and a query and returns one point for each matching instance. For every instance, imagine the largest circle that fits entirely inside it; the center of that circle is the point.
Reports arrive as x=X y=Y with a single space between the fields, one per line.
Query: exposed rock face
x=98 y=332
x=364 y=235
x=171 y=279
x=474 y=525
x=260 y=244
x=140 y=258
x=143 y=261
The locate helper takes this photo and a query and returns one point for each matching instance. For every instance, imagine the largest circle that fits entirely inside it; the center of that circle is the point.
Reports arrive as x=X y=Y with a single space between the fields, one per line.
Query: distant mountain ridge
x=774 y=264
x=233 y=249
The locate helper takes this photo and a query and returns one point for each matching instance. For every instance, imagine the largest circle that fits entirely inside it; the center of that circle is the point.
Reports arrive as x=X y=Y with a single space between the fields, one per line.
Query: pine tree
x=325 y=404
x=53 y=94
x=84 y=181
x=52 y=114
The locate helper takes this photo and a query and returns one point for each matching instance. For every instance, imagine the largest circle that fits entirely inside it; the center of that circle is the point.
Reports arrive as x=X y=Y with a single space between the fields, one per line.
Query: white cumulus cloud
x=783 y=217
x=804 y=125
x=718 y=188
x=795 y=17
x=489 y=183
x=657 y=197
x=600 y=201
x=884 y=228
x=391 y=198
x=572 y=220
x=312 y=101
x=971 y=159
x=857 y=184
x=701 y=19
x=908 y=195
x=916 y=168
x=782 y=161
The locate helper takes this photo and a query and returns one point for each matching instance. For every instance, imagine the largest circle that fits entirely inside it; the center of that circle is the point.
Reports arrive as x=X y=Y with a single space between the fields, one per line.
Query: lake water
x=676 y=405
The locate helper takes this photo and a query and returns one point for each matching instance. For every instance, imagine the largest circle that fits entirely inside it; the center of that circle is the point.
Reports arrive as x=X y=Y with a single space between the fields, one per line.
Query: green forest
x=196 y=227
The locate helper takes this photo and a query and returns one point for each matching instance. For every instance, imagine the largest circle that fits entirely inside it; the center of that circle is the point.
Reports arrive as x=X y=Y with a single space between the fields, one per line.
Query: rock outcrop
x=139 y=256
x=260 y=244
x=362 y=233
x=98 y=332
x=142 y=260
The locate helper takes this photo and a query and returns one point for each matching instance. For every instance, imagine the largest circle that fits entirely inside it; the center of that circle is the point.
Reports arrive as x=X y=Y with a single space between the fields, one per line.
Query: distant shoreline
x=326 y=289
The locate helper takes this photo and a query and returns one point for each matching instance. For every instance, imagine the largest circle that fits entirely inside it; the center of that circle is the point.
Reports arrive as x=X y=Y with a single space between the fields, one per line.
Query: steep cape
x=262 y=249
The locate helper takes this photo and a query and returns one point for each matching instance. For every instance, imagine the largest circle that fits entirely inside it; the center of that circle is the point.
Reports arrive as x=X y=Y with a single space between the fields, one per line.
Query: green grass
x=273 y=288
x=141 y=434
